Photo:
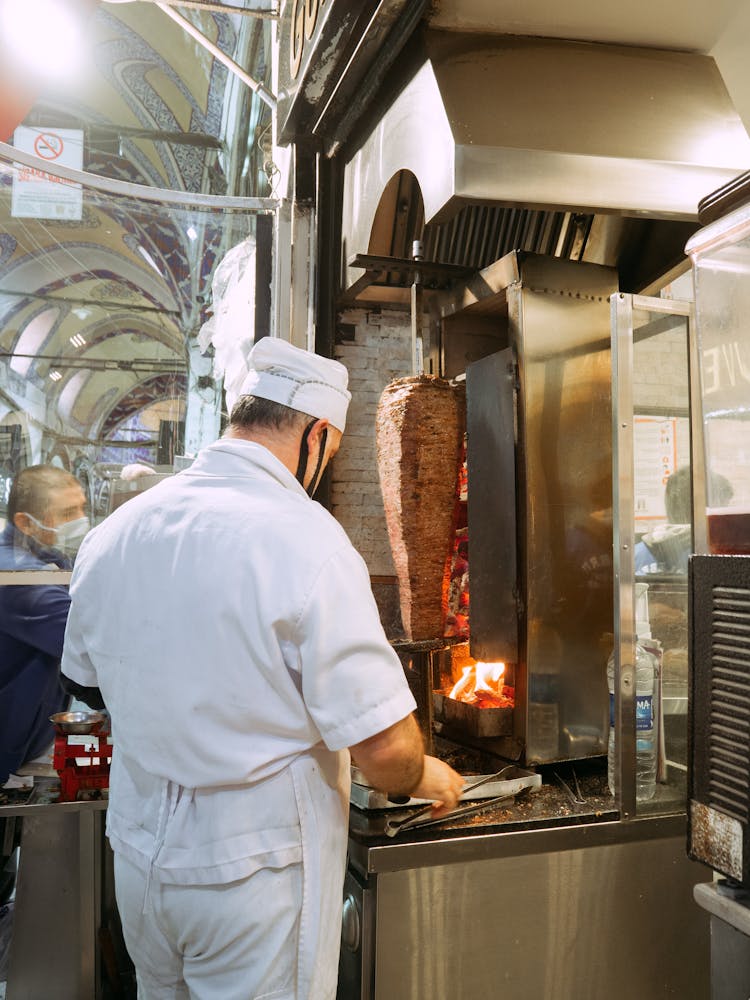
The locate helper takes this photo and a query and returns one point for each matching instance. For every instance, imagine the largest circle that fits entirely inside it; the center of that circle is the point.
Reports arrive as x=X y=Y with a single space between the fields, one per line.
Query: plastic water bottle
x=646 y=714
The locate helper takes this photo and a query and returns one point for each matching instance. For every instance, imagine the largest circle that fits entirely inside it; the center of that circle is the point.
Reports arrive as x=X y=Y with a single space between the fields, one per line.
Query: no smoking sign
x=48 y=145
x=39 y=192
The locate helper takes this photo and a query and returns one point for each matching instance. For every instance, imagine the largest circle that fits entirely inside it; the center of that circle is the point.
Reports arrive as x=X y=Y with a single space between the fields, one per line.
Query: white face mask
x=68 y=535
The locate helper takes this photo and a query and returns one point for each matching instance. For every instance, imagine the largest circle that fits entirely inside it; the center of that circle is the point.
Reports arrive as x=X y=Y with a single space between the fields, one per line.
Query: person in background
x=231 y=629
x=46 y=520
x=667 y=548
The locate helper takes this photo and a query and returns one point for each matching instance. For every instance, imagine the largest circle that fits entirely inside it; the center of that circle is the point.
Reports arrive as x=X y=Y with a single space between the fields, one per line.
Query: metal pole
x=417 y=310
x=624 y=568
x=251 y=82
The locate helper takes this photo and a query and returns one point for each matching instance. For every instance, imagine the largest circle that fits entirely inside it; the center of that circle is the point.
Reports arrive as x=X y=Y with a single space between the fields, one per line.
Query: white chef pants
x=237 y=941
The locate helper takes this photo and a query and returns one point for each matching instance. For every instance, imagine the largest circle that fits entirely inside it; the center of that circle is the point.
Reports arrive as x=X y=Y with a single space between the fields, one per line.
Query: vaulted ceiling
x=96 y=312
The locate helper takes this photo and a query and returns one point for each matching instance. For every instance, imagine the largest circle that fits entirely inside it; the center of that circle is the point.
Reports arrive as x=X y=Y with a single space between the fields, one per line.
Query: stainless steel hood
x=545 y=126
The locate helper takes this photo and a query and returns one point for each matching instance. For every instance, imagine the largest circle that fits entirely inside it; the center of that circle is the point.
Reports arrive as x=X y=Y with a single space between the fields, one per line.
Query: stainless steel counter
x=583 y=910
x=375 y=858
x=57 y=912
x=730 y=938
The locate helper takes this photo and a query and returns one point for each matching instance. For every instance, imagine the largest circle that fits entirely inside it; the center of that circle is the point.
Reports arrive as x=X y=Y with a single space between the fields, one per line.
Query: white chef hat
x=299 y=379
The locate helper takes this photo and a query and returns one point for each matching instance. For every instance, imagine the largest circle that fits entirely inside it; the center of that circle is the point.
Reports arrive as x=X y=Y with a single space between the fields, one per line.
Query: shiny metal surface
x=481 y=787
x=553 y=315
x=622 y=547
x=403 y=855
x=491 y=467
x=356 y=967
x=730 y=941
x=77 y=723
x=559 y=319
x=654 y=147
x=54 y=951
x=721 y=233
x=351 y=924
x=613 y=921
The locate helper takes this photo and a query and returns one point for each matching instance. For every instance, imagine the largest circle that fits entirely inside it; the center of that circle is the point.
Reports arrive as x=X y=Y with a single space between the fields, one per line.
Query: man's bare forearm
x=392 y=760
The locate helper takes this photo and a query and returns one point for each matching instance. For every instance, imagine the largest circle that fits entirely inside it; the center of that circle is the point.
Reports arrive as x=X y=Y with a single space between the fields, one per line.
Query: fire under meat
x=481 y=684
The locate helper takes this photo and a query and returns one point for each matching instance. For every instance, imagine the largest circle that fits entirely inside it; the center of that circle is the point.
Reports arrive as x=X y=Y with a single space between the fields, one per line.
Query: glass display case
x=720 y=255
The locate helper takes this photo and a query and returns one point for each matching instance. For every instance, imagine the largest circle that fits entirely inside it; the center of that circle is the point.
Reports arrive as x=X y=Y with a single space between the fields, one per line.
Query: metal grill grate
x=729 y=717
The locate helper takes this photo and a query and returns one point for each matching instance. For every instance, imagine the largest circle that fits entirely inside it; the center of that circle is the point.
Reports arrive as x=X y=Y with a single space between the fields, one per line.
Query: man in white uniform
x=230 y=626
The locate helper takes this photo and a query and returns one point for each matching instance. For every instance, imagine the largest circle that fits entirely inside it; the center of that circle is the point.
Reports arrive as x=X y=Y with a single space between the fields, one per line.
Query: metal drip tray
x=365 y=797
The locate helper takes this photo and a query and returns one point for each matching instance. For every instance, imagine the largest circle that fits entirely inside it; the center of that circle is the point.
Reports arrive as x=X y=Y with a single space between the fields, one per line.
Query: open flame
x=482 y=684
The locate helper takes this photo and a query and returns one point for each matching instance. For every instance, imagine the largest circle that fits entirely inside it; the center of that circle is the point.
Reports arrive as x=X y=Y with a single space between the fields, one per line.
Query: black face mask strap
x=304 y=454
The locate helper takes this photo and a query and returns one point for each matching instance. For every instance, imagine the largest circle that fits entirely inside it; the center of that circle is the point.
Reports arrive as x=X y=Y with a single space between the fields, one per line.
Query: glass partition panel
x=653 y=539
x=721 y=259
x=103 y=381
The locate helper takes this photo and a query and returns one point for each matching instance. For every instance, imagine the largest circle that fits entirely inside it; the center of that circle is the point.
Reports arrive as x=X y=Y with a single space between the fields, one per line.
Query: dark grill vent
x=478 y=235
x=729 y=717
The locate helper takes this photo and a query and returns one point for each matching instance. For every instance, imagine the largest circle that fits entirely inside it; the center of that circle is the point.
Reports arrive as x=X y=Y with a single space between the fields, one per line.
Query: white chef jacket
x=231 y=628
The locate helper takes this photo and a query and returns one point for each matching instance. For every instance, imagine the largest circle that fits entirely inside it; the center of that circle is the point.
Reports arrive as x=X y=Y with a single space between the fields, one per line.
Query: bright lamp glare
x=44 y=34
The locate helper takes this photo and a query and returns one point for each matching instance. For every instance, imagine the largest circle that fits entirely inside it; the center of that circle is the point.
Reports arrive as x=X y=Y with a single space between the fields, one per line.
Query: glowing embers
x=474 y=700
x=481 y=684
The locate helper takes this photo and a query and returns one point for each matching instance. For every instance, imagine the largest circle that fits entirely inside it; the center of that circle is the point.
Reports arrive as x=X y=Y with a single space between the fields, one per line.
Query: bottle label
x=644 y=712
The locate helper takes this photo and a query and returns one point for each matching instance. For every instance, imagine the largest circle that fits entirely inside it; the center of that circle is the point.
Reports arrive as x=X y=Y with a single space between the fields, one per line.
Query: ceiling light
x=192 y=233
x=45 y=34
x=77 y=340
x=55 y=375
x=82 y=312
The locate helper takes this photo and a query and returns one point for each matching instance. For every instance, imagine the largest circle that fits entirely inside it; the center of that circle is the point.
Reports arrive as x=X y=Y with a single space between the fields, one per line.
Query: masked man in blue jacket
x=45 y=524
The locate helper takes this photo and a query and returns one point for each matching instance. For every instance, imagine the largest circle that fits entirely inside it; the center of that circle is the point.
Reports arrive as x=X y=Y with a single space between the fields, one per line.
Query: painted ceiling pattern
x=96 y=314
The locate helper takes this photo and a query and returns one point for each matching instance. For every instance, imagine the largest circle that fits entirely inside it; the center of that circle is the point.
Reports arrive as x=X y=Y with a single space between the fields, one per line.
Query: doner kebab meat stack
x=420 y=429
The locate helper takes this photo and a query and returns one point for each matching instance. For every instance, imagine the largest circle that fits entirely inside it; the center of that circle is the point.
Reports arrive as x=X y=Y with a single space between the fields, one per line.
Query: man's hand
x=394 y=761
x=440 y=783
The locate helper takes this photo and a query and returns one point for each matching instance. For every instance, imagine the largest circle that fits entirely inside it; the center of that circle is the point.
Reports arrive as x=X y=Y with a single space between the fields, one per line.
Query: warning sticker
x=39 y=193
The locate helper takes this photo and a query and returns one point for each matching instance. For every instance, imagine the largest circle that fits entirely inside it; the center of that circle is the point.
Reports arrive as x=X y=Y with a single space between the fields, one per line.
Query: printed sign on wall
x=655 y=453
x=38 y=193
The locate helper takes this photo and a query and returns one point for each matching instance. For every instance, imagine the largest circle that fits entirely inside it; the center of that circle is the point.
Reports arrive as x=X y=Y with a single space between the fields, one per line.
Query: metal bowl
x=77 y=723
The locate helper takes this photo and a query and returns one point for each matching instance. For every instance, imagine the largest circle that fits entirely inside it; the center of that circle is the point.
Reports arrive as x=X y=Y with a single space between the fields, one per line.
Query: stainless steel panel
x=491 y=465
x=612 y=921
x=560 y=325
x=403 y=855
x=588 y=145
x=356 y=961
x=623 y=544
x=554 y=314
x=58 y=902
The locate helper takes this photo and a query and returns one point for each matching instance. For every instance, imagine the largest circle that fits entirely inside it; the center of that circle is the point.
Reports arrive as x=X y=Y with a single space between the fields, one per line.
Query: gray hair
x=253 y=411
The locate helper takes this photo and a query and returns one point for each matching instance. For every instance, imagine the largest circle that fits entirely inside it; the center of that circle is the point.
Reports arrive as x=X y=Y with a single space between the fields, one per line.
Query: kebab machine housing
x=535 y=333
x=540 y=903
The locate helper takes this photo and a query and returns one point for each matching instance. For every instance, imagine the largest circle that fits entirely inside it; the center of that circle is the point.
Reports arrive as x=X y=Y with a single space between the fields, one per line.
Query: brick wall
x=376 y=348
